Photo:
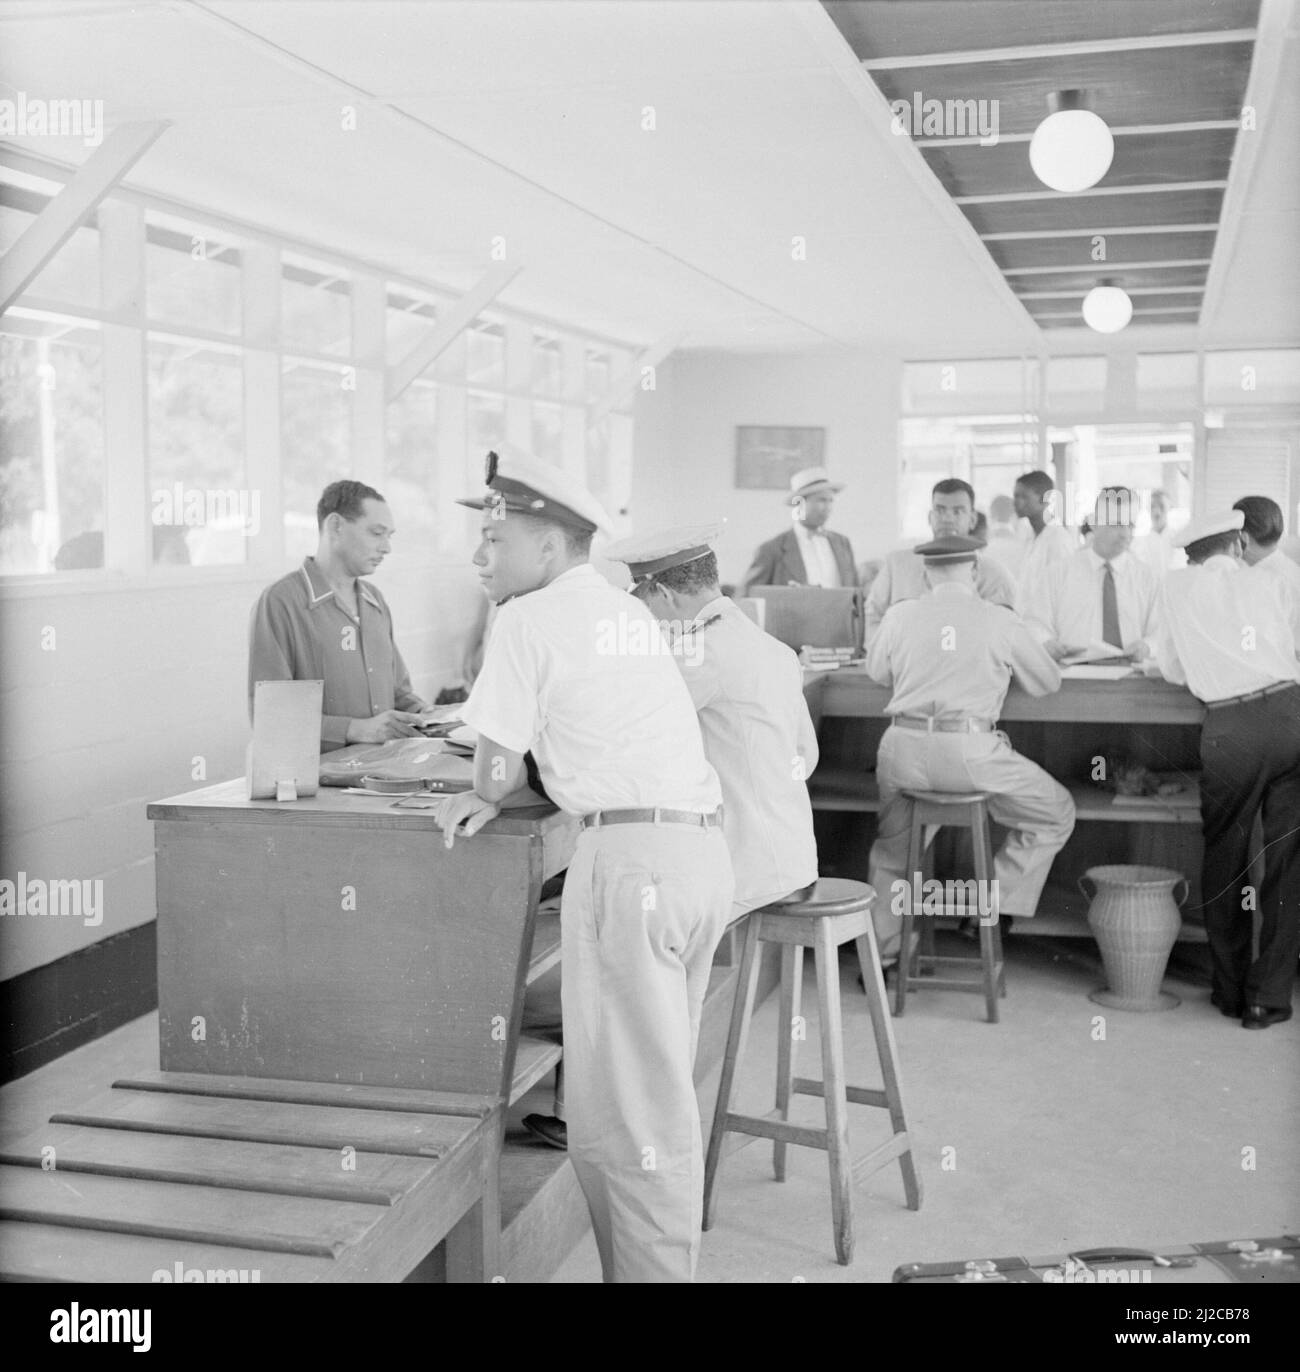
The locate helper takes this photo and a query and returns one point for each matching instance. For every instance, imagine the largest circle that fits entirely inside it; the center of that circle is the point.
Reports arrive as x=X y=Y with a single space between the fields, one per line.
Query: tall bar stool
x=823 y=917
x=956 y=810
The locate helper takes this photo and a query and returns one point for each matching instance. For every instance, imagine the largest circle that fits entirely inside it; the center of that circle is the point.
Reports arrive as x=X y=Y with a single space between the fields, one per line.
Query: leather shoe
x=1261 y=1016
x=549 y=1129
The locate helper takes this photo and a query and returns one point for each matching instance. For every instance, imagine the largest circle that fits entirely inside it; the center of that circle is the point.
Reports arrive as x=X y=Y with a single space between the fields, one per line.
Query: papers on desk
x=1098 y=673
x=1099 y=653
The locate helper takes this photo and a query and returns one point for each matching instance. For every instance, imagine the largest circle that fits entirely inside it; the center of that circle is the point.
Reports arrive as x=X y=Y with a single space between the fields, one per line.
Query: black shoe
x=549 y=1129
x=1233 y=1009
x=1261 y=1016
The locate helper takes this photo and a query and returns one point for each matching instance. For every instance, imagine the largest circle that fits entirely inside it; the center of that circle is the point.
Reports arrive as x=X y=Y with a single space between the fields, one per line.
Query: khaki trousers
x=1036 y=808
x=643 y=909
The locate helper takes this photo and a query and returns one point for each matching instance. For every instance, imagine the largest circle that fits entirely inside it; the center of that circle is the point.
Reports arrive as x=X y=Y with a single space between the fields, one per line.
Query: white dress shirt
x=759 y=736
x=1279 y=565
x=1066 y=603
x=818 y=556
x=1225 y=629
x=1158 y=552
x=579 y=673
x=1053 y=545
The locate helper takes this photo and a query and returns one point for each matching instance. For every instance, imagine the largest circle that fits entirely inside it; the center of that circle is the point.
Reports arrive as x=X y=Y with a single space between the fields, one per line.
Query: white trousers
x=644 y=907
x=1037 y=809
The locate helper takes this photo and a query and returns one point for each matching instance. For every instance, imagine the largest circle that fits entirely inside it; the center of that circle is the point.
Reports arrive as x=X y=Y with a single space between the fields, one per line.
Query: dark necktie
x=1110 y=610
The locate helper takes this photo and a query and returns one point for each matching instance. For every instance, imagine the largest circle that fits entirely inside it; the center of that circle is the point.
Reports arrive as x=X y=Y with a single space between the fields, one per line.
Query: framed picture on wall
x=767 y=457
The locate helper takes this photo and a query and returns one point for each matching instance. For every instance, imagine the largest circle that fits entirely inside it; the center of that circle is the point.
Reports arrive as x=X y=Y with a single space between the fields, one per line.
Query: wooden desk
x=337 y=939
x=1151 y=721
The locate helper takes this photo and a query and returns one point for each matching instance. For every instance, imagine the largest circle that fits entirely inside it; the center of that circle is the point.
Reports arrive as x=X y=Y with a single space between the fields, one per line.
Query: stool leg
x=742 y=1007
x=837 y=1114
x=914 y=859
x=882 y=1029
x=1002 y=960
x=791 y=992
x=979 y=822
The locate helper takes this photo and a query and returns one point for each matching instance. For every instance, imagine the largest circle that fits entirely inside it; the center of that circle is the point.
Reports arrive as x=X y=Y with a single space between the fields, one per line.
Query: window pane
x=411 y=469
x=487 y=424
x=548 y=432
x=487 y=356
x=200 y=508
x=51 y=455
x=192 y=278
x=546 y=365
x=408 y=321
x=72 y=275
x=597 y=375
x=315 y=426
x=316 y=308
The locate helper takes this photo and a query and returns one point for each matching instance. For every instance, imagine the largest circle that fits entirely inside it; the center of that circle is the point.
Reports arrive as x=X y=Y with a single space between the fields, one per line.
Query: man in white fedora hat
x=1225 y=631
x=809 y=554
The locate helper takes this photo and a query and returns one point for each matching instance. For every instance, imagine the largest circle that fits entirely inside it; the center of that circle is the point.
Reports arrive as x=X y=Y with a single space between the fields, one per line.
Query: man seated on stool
x=1102 y=597
x=950 y=657
x=1226 y=633
x=758 y=734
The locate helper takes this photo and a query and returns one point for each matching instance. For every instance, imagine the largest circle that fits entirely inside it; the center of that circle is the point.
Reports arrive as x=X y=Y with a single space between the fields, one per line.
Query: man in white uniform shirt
x=1158 y=549
x=952 y=512
x=807 y=554
x=950 y=657
x=1102 y=600
x=1226 y=632
x=1260 y=536
x=748 y=690
x=575 y=671
x=1050 y=542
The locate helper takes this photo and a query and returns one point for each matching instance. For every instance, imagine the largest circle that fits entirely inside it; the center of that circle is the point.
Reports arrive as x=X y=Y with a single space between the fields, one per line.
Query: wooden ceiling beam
x=1151 y=188
x=1108 y=267
x=1127 y=131
x=1018 y=235
x=1037 y=51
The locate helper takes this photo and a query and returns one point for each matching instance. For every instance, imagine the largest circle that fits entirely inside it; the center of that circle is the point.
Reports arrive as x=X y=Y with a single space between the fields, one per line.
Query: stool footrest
x=947 y=984
x=933 y=960
x=774 y=1127
x=879 y=1157
x=859 y=1095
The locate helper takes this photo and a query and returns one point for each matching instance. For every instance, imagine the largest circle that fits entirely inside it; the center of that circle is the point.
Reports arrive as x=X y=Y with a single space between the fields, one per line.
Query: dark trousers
x=1250 y=759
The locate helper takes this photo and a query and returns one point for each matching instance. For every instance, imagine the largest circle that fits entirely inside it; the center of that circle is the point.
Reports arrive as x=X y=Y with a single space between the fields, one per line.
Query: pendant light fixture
x=1107 y=308
x=1072 y=148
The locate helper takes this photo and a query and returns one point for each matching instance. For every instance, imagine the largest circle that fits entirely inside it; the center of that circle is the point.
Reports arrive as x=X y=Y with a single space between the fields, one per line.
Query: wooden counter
x=337 y=939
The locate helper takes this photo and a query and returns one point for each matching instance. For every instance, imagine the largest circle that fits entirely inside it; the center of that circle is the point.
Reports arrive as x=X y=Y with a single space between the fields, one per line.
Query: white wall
x=112 y=711
x=685 y=444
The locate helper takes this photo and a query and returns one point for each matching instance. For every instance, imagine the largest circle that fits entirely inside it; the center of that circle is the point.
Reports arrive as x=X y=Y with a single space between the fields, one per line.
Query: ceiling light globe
x=1107 y=309
x=1071 y=150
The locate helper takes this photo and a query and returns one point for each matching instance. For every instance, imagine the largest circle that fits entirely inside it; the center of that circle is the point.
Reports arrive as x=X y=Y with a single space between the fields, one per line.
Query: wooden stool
x=833 y=913
x=958 y=810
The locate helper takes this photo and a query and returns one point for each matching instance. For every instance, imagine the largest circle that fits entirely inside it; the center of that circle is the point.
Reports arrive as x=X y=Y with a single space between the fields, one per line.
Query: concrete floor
x=1060 y=1138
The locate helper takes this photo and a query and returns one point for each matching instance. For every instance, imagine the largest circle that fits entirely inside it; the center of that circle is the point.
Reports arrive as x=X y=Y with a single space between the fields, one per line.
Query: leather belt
x=1253 y=695
x=654 y=816
x=929 y=724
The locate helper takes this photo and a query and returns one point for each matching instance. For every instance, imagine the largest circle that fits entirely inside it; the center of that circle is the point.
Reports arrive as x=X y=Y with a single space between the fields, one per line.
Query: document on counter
x=1098 y=673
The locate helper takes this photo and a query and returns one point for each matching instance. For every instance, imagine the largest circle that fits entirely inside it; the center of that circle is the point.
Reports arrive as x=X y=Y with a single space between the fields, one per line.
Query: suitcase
x=1253 y=1261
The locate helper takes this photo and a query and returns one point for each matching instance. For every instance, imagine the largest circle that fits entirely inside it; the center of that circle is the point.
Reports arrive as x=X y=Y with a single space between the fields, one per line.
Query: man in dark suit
x=809 y=554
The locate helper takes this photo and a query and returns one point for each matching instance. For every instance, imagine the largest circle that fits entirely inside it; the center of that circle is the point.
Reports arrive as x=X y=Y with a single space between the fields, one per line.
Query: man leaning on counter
x=323 y=622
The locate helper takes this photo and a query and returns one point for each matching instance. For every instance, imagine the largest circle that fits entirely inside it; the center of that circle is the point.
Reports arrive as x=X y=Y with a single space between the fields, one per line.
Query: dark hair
x=1204 y=548
x=1115 y=506
x=700 y=574
x=979 y=525
x=577 y=542
x=1038 y=482
x=1263 y=518
x=346 y=498
x=950 y=485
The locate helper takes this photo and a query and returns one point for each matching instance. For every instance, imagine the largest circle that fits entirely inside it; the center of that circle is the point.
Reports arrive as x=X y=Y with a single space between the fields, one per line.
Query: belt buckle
x=594 y=820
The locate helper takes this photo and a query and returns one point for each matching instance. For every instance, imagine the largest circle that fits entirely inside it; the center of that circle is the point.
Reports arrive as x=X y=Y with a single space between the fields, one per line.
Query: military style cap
x=648 y=554
x=520 y=483
x=812 y=481
x=1215 y=522
x=942 y=552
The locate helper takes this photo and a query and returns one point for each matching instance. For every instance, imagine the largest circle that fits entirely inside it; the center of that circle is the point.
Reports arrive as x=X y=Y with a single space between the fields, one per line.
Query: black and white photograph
x=650 y=642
